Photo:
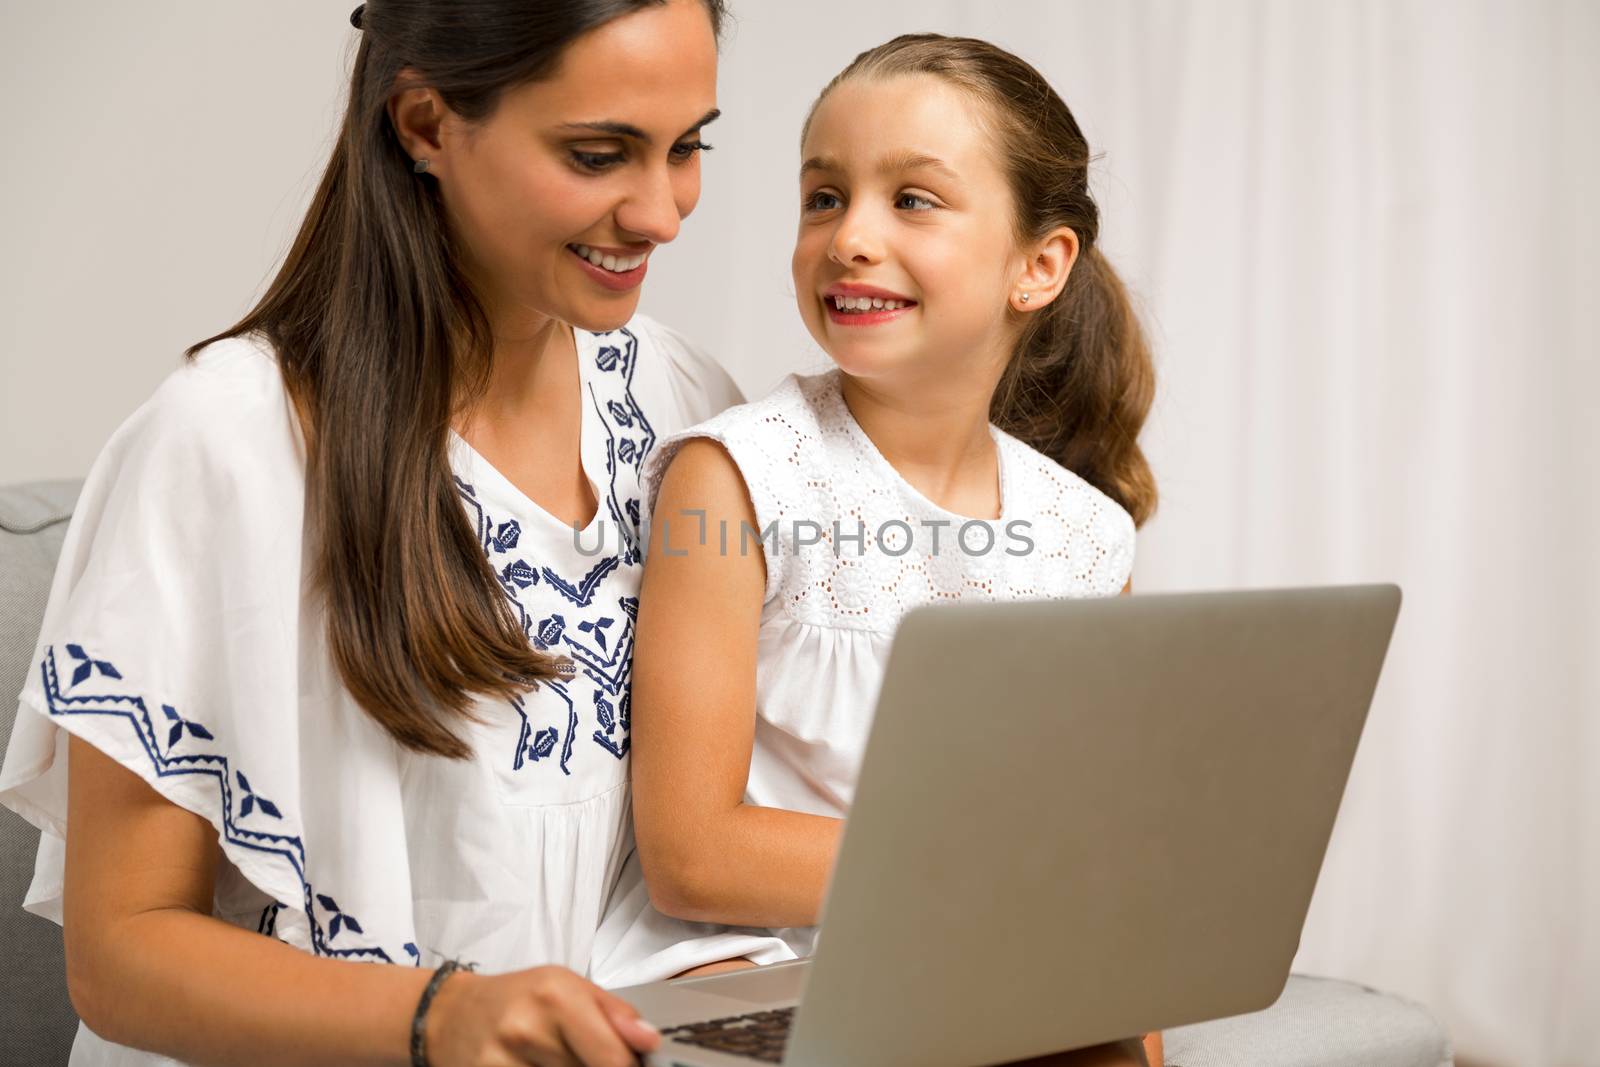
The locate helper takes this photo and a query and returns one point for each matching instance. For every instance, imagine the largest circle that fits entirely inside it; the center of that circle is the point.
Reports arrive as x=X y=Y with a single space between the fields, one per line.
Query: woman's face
x=598 y=162
x=904 y=204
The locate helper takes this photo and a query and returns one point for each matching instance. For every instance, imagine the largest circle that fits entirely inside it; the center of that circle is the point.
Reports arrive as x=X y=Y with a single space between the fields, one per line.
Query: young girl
x=977 y=440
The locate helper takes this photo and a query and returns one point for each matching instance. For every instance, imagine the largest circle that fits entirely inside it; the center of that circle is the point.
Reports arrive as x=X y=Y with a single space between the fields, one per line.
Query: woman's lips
x=616 y=281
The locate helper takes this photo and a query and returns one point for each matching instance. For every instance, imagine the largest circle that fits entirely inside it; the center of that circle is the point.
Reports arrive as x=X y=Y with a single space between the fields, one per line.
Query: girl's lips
x=616 y=281
x=863 y=318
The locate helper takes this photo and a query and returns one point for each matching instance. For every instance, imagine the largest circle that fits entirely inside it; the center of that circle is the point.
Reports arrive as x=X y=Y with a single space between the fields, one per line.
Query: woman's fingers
x=640 y=1035
x=592 y=1037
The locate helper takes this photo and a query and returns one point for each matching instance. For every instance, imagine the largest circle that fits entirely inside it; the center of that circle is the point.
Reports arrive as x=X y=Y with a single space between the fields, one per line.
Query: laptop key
x=760 y=1035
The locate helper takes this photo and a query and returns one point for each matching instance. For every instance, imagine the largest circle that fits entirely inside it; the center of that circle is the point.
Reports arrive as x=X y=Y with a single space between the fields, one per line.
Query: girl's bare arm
x=706 y=854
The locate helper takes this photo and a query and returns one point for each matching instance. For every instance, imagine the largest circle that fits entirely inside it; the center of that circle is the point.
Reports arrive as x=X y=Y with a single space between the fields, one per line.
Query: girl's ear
x=417 y=113
x=1045 y=274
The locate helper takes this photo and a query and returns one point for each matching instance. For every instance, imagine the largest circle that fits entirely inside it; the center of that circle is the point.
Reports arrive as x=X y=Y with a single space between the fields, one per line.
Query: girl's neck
x=936 y=435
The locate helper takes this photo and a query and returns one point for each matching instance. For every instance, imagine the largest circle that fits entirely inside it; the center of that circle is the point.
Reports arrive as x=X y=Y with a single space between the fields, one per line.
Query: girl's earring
x=1025 y=297
x=419 y=167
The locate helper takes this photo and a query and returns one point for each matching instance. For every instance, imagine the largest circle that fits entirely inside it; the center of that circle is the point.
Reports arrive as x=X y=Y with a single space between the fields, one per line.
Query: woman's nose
x=651 y=211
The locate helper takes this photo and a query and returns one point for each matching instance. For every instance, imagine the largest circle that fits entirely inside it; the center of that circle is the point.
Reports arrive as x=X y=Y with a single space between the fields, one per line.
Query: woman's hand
x=148 y=966
x=546 y=1016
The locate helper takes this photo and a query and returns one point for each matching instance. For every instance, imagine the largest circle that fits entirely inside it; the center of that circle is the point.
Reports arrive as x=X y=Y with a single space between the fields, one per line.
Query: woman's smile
x=616 y=269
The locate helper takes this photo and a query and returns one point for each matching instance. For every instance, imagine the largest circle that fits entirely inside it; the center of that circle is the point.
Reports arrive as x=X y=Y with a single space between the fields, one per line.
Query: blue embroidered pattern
x=190 y=735
x=597 y=635
x=629 y=436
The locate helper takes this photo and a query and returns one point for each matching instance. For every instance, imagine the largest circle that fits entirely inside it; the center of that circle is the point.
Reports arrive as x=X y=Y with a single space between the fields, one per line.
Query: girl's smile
x=856 y=304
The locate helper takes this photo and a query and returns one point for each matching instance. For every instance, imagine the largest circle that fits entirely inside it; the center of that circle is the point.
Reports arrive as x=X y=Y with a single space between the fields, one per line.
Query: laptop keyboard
x=761 y=1035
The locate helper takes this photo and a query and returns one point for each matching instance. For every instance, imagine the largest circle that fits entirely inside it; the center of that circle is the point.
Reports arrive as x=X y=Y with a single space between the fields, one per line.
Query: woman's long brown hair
x=1081 y=380
x=380 y=341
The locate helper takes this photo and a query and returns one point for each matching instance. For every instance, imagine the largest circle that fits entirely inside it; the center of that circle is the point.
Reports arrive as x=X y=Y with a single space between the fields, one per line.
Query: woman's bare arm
x=150 y=967
x=706 y=854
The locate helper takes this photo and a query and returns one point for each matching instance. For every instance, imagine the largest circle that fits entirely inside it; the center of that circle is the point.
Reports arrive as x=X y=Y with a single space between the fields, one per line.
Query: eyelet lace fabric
x=857 y=546
x=851 y=550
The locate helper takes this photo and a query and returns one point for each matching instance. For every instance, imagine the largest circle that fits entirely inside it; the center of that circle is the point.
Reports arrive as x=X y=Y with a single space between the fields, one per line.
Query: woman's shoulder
x=220 y=414
x=695 y=384
x=232 y=379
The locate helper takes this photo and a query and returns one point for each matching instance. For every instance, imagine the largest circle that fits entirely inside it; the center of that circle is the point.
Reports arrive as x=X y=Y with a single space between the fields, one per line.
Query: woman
x=324 y=659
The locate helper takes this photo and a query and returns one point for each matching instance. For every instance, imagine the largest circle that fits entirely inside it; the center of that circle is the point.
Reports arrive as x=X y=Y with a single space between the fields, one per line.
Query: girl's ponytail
x=1080 y=385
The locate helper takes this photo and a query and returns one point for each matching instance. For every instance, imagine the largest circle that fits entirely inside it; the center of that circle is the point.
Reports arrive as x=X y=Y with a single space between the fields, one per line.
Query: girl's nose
x=854 y=241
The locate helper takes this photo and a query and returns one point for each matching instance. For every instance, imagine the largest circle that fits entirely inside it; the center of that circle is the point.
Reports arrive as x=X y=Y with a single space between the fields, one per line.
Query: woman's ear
x=1045 y=273
x=417 y=113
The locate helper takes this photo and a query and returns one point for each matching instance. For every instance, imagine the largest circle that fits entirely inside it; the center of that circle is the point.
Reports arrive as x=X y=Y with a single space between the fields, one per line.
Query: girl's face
x=600 y=161
x=904 y=204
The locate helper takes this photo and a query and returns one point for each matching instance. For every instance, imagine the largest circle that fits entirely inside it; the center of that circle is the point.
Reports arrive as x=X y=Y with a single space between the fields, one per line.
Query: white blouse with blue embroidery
x=178 y=641
x=854 y=547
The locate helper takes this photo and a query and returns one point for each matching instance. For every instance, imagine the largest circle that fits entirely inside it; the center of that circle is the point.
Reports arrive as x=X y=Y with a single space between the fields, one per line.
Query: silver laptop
x=1077 y=821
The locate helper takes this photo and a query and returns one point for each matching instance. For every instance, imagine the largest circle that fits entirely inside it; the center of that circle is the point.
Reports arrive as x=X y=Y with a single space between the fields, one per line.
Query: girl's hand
x=546 y=1016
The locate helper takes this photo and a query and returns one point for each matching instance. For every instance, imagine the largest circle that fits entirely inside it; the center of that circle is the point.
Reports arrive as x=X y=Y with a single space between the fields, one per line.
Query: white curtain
x=1365 y=237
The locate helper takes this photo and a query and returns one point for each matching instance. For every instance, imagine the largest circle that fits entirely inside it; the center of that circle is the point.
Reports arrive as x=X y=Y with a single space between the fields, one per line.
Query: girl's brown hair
x=381 y=340
x=1081 y=381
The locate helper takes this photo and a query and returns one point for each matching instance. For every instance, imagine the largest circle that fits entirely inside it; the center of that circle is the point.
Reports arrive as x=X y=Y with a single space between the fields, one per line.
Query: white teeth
x=868 y=303
x=613 y=263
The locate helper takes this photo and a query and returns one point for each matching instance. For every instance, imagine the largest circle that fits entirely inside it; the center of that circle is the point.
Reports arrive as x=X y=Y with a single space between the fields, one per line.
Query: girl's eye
x=686 y=150
x=913 y=202
x=821 y=201
x=596 y=161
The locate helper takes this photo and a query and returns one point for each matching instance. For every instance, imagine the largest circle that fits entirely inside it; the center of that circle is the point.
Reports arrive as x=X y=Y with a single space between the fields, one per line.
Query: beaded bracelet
x=419 y=1021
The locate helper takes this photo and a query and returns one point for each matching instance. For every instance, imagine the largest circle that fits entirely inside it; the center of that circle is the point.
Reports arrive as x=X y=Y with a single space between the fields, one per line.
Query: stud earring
x=1025 y=297
x=419 y=167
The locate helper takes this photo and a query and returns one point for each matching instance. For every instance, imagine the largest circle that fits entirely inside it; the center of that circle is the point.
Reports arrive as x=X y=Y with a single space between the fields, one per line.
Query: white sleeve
x=701 y=385
x=175 y=641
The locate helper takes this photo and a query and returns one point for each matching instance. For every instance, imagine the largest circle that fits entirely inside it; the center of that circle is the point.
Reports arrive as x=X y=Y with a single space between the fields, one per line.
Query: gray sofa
x=1317 y=1022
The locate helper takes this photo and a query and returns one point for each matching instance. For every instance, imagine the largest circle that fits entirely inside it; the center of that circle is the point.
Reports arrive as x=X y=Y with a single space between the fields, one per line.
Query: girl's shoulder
x=796 y=407
x=784 y=424
x=1069 y=514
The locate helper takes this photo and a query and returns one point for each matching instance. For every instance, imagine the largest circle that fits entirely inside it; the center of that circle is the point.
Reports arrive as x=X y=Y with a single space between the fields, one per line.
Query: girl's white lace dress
x=850 y=547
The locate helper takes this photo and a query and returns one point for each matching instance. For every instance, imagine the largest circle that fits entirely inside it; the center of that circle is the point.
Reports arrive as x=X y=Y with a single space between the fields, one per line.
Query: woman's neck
x=527 y=363
x=936 y=434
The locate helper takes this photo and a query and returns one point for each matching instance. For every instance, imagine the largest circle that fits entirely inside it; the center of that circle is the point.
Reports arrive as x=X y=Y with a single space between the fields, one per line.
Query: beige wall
x=161 y=154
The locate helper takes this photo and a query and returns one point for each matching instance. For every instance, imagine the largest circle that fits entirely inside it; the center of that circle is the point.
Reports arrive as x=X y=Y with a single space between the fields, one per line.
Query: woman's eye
x=913 y=202
x=596 y=161
x=687 y=149
x=820 y=201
